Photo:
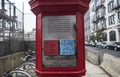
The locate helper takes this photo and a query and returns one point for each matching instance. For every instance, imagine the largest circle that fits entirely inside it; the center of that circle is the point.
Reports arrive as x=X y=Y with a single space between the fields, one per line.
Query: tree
x=99 y=35
x=92 y=38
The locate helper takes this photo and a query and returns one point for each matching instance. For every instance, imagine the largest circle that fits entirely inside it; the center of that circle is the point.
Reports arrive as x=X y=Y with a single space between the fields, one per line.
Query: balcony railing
x=94 y=20
x=100 y=28
x=98 y=4
x=100 y=16
x=103 y=28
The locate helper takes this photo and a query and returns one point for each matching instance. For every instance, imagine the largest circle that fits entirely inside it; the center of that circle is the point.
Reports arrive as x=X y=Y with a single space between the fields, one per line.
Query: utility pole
x=23 y=24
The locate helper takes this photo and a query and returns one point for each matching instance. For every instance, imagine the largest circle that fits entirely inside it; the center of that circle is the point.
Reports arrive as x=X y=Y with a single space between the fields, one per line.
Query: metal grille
x=58 y=25
x=11 y=28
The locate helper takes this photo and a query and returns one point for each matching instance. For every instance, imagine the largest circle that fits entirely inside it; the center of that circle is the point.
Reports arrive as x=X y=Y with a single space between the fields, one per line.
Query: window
x=118 y=2
x=110 y=6
x=112 y=36
x=99 y=25
x=93 y=8
x=119 y=15
x=98 y=14
x=103 y=1
x=94 y=27
x=103 y=11
x=88 y=27
x=111 y=20
x=103 y=23
x=98 y=3
x=104 y=36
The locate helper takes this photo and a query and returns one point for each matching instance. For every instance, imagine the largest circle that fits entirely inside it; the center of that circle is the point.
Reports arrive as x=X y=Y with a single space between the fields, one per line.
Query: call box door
x=59 y=41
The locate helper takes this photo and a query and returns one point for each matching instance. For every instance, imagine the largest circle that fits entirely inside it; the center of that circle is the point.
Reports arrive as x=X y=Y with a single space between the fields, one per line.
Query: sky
x=29 y=17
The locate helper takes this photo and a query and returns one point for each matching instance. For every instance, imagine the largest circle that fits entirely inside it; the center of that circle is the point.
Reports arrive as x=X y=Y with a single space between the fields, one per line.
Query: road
x=102 y=51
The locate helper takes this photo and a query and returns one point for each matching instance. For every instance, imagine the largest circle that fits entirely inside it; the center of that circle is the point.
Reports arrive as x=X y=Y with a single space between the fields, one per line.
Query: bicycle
x=28 y=67
x=29 y=58
x=17 y=73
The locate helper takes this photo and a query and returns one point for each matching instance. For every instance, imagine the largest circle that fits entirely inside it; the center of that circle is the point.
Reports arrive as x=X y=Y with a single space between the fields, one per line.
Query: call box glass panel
x=59 y=41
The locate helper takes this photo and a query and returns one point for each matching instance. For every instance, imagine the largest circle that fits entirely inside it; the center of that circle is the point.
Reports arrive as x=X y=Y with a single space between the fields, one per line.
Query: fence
x=11 y=28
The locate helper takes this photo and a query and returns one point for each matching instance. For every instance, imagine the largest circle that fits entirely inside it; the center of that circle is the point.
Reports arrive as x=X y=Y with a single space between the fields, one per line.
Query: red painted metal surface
x=51 y=47
x=55 y=7
x=60 y=7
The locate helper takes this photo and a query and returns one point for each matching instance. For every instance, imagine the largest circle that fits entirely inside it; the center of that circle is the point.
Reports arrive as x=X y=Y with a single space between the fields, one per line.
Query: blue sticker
x=67 y=47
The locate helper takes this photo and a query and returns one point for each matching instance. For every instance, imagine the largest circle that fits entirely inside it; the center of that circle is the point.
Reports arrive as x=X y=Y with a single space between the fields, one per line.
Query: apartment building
x=87 y=26
x=105 y=16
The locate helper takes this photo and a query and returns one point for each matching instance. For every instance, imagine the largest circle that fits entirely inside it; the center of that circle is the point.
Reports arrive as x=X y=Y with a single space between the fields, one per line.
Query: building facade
x=105 y=17
x=87 y=26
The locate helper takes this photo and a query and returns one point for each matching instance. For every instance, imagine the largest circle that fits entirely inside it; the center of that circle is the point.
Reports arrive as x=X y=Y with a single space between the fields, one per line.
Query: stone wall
x=9 y=62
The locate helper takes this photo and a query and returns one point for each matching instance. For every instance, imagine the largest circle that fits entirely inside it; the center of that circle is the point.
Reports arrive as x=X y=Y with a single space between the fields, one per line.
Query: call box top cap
x=62 y=6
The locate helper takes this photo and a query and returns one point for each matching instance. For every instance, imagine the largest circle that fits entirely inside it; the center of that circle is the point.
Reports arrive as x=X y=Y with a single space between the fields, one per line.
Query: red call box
x=50 y=47
x=43 y=8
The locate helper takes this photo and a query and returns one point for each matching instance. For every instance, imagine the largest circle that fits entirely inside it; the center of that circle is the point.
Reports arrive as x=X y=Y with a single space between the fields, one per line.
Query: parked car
x=87 y=43
x=93 y=44
x=113 y=45
x=101 y=44
x=104 y=44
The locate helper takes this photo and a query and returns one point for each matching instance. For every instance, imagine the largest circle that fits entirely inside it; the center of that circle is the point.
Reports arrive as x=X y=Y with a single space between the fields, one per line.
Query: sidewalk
x=94 y=71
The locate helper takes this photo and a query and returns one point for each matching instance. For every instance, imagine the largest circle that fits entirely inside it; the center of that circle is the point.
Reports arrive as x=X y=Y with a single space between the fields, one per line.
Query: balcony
x=94 y=20
x=102 y=15
x=103 y=28
x=99 y=17
x=98 y=7
x=104 y=25
x=99 y=4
